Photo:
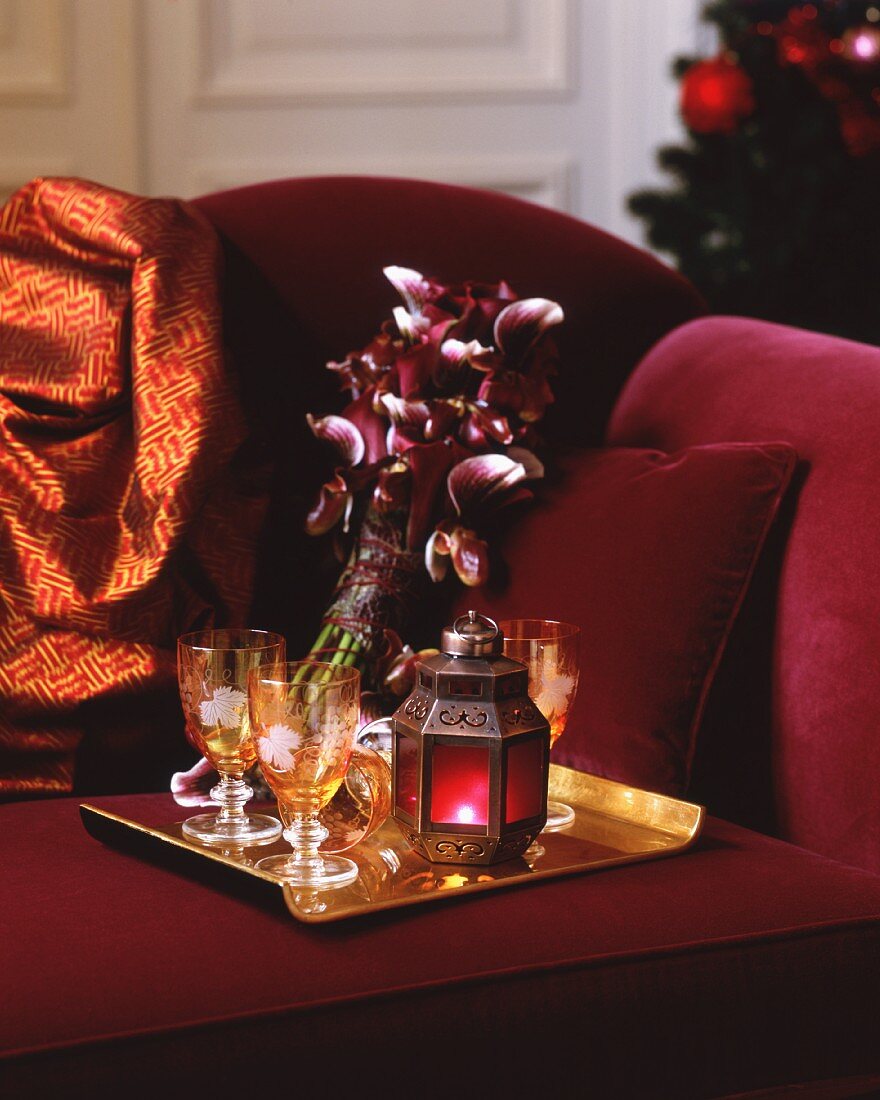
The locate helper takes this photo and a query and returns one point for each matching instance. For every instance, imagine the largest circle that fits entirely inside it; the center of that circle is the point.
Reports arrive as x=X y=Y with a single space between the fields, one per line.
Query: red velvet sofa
x=747 y=966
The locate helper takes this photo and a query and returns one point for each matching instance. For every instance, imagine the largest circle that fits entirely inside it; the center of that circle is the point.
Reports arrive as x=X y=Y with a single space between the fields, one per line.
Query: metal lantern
x=470 y=751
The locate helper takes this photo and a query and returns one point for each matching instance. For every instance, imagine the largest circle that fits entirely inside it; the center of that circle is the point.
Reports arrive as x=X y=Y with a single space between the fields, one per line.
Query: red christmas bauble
x=715 y=96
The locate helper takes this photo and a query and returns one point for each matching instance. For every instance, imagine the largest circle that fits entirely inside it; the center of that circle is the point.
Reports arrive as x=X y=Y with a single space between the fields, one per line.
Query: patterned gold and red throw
x=118 y=423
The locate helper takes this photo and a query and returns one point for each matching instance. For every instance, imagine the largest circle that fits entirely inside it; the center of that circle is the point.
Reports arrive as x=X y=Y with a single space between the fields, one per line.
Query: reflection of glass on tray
x=613 y=824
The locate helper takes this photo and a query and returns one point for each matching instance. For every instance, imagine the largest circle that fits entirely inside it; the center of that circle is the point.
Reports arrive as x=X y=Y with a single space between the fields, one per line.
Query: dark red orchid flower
x=397 y=665
x=336 y=497
x=442 y=397
x=476 y=486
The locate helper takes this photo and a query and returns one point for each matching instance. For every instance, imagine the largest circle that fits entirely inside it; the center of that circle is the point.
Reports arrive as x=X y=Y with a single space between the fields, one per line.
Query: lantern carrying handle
x=472 y=635
x=471 y=617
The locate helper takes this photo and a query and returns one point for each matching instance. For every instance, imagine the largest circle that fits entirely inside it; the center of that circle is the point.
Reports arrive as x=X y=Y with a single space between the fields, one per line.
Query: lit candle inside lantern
x=460 y=784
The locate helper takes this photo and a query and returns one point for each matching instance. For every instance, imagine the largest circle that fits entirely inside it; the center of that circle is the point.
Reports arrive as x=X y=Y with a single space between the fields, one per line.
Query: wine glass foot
x=559 y=816
x=534 y=852
x=333 y=871
x=250 y=829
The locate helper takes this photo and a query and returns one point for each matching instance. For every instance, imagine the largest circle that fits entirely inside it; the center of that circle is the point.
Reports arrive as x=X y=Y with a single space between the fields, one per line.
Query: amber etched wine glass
x=549 y=649
x=212 y=670
x=304 y=717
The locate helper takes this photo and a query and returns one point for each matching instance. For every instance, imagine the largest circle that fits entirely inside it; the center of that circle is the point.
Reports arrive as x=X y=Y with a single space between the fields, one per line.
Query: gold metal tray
x=613 y=824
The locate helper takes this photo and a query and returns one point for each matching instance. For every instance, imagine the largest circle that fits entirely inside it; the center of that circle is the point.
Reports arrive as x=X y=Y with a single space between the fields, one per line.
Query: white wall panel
x=34 y=51
x=274 y=51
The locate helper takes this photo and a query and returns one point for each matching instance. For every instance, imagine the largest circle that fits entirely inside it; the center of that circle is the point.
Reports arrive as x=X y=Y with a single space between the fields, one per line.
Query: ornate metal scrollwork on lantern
x=450 y=718
x=416 y=708
x=467 y=849
x=515 y=715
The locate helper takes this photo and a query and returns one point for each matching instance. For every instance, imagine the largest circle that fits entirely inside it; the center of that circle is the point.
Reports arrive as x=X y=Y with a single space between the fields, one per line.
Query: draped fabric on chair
x=118 y=416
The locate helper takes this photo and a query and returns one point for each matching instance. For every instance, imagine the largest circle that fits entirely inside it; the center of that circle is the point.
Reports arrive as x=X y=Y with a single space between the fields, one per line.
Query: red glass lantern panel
x=406 y=757
x=525 y=780
x=460 y=784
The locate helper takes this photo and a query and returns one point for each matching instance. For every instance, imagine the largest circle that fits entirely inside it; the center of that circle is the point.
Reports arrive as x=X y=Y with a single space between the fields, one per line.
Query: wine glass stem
x=231 y=794
x=305 y=835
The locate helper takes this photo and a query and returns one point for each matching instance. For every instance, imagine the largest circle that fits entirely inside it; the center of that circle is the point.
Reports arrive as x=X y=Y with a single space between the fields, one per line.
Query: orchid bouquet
x=438 y=434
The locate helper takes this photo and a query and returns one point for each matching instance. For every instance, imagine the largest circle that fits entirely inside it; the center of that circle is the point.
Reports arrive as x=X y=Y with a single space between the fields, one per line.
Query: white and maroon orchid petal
x=401 y=677
x=472 y=435
x=193 y=787
x=454 y=352
x=457 y=351
x=472 y=482
x=406 y=323
x=334 y=503
x=409 y=413
x=444 y=415
x=371 y=425
x=392 y=488
x=437 y=551
x=492 y=422
x=470 y=557
x=520 y=324
x=344 y=436
x=411 y=285
x=530 y=462
x=487 y=360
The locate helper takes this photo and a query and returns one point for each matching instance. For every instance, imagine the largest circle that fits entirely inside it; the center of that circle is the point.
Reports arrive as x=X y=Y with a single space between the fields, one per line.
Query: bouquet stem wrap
x=377 y=591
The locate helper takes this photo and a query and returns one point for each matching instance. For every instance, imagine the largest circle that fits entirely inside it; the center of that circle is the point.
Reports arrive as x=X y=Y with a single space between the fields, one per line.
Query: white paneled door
x=558 y=101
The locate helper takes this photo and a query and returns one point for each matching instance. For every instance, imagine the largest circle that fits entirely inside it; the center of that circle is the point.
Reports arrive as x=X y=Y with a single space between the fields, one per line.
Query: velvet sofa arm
x=727 y=378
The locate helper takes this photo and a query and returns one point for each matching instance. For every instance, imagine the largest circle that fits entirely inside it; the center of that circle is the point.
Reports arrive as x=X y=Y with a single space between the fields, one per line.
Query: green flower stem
x=342 y=648
x=348 y=652
x=323 y=637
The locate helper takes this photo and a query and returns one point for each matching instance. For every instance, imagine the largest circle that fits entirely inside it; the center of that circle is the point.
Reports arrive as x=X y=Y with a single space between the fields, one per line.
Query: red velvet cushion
x=650 y=554
x=740 y=964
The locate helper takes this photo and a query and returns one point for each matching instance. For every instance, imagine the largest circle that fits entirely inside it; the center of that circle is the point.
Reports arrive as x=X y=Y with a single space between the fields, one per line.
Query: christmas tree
x=774 y=210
